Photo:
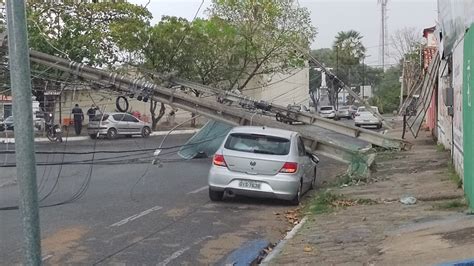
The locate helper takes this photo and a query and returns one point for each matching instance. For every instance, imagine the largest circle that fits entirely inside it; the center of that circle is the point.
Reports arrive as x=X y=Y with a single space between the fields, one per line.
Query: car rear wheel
x=111 y=133
x=297 y=199
x=146 y=131
x=216 y=195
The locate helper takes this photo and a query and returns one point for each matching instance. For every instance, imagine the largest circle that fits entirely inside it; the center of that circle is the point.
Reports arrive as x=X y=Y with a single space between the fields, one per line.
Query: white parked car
x=365 y=118
x=262 y=162
x=327 y=112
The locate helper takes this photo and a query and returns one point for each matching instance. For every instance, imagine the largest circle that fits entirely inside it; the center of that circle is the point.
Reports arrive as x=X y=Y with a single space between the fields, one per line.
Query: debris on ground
x=408 y=200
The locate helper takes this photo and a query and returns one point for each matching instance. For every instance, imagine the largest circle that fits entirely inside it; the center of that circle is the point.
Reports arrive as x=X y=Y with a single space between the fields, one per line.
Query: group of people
x=78 y=116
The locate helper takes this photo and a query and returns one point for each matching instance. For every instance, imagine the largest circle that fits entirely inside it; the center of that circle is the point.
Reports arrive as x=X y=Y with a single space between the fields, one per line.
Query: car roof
x=263 y=131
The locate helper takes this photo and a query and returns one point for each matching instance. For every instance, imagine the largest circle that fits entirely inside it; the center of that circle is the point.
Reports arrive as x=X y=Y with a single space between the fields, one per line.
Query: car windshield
x=99 y=117
x=256 y=143
x=326 y=108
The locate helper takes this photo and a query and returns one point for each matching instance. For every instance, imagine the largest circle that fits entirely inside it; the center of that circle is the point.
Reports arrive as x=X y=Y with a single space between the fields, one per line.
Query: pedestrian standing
x=78 y=118
x=91 y=112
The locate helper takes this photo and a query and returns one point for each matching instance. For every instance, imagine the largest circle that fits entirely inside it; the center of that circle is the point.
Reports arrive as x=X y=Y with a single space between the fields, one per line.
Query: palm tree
x=348 y=45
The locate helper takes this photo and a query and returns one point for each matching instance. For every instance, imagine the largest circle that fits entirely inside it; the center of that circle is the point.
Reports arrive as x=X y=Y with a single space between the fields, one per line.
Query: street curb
x=279 y=247
x=79 y=138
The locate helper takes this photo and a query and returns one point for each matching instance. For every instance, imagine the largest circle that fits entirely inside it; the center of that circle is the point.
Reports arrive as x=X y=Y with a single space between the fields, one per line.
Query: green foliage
x=322 y=203
x=387 y=95
x=269 y=33
x=91 y=33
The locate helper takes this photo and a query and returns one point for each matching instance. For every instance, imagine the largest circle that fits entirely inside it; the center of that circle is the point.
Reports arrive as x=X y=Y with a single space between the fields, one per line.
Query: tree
x=406 y=43
x=87 y=32
x=269 y=33
x=91 y=33
x=388 y=94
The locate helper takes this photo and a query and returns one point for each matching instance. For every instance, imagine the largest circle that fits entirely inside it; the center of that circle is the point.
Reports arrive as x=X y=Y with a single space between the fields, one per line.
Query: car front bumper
x=280 y=186
x=331 y=115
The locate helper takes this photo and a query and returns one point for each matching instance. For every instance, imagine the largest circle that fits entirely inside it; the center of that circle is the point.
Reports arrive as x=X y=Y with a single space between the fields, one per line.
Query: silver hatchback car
x=114 y=124
x=262 y=162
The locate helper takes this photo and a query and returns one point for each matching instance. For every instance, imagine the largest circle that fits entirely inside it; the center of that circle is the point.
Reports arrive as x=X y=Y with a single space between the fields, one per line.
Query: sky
x=330 y=17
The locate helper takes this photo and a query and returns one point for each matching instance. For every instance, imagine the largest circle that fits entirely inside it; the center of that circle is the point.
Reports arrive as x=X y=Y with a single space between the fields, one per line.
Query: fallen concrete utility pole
x=360 y=159
x=24 y=139
x=306 y=118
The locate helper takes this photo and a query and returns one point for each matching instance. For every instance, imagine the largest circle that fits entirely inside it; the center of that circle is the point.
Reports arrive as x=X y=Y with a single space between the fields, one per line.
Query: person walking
x=78 y=118
x=91 y=112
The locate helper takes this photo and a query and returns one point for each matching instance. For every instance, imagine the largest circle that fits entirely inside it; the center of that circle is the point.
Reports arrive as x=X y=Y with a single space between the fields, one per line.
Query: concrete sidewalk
x=364 y=223
x=79 y=138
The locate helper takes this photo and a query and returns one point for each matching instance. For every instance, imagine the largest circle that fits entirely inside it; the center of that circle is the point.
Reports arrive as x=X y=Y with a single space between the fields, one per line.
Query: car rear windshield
x=344 y=108
x=256 y=143
x=99 y=117
x=328 y=108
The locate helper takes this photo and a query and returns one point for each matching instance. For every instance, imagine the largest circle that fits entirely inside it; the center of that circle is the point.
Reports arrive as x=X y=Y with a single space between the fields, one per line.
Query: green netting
x=206 y=141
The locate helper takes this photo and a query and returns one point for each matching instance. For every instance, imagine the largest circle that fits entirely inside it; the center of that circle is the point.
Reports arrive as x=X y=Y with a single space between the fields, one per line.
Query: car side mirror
x=313 y=157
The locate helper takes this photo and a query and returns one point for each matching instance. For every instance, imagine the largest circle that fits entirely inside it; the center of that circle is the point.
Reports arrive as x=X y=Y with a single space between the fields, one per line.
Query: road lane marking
x=46 y=257
x=136 y=216
x=180 y=252
x=173 y=256
x=198 y=190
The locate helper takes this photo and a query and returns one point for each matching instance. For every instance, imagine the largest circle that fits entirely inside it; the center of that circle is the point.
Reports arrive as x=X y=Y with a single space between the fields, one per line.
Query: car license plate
x=366 y=120
x=249 y=184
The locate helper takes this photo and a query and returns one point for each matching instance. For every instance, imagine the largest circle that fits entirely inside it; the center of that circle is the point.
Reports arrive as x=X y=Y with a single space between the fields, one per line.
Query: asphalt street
x=123 y=209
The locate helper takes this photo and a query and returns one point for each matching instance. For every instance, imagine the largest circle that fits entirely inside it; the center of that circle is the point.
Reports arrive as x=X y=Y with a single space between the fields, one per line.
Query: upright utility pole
x=383 y=32
x=24 y=142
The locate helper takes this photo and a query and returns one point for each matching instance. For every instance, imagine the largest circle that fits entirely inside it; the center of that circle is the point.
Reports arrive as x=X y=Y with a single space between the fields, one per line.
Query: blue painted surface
x=247 y=253
x=468 y=262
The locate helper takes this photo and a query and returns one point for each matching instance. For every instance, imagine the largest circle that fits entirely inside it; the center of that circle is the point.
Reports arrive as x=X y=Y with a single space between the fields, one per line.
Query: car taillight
x=219 y=160
x=289 y=167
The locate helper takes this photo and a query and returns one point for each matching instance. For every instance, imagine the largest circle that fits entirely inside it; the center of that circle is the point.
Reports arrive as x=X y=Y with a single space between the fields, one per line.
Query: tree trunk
x=155 y=119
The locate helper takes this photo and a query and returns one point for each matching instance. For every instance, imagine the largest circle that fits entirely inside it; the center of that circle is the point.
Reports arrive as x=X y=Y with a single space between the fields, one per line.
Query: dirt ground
x=383 y=231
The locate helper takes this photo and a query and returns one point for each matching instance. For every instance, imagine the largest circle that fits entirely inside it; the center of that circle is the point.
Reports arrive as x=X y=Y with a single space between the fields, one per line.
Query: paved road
x=133 y=212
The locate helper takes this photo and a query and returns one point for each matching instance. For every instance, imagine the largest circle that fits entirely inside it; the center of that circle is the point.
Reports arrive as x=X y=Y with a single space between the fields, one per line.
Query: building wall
x=457 y=151
x=444 y=120
x=281 y=89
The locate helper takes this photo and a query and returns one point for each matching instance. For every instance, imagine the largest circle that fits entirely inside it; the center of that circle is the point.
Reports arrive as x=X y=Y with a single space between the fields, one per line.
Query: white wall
x=444 y=120
x=450 y=129
x=281 y=89
x=458 y=155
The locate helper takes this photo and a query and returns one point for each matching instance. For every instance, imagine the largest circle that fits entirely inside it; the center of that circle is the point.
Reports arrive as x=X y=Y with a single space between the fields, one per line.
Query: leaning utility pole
x=24 y=141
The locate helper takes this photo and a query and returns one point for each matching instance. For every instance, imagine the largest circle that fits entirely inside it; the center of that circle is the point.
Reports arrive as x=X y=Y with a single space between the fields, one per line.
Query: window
x=130 y=118
x=301 y=148
x=118 y=117
x=256 y=143
x=100 y=117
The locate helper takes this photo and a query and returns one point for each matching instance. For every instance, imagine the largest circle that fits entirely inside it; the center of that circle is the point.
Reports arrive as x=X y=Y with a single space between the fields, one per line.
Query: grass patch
x=449 y=205
x=440 y=148
x=346 y=179
x=327 y=201
x=454 y=176
x=322 y=203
